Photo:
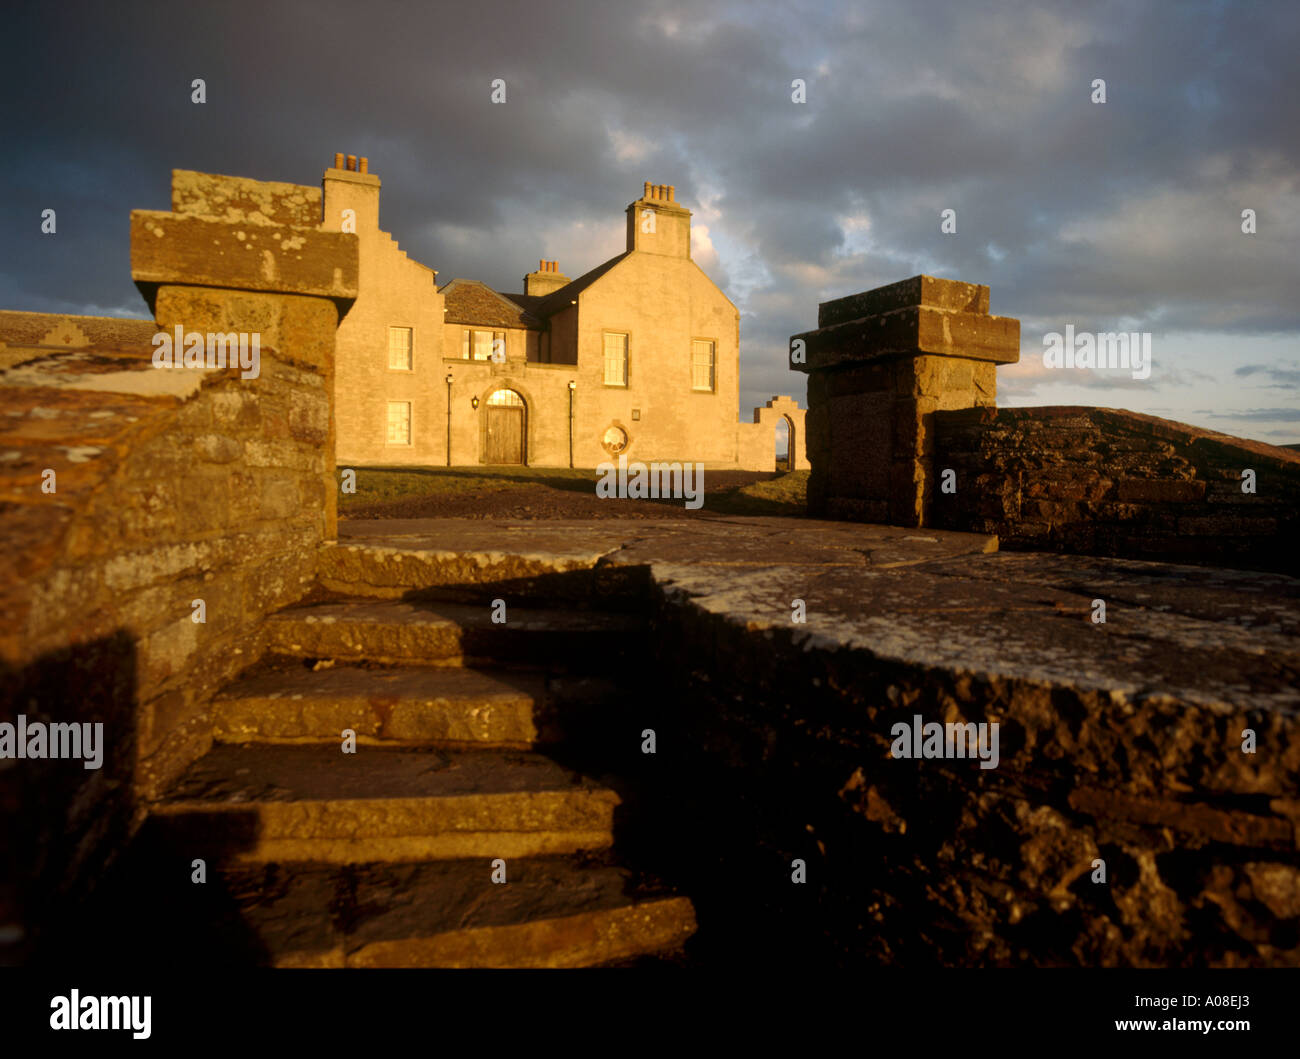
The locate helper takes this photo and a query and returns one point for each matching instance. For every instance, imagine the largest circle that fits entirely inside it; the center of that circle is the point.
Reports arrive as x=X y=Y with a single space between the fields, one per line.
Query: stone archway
x=779 y=409
x=784 y=441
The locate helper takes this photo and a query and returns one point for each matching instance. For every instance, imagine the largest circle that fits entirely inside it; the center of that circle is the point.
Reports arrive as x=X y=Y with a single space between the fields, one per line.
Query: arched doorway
x=784 y=443
x=505 y=428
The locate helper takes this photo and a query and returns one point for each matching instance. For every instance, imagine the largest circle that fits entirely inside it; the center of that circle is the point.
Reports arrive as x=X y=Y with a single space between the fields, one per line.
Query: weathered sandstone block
x=881 y=364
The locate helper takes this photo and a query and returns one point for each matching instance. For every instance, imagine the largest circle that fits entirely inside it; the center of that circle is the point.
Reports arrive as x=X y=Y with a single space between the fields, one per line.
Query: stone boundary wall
x=1102 y=481
x=216 y=497
x=172 y=486
x=781 y=752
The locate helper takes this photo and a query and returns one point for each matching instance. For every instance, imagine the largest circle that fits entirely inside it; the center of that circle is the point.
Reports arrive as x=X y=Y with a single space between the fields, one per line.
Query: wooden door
x=505 y=435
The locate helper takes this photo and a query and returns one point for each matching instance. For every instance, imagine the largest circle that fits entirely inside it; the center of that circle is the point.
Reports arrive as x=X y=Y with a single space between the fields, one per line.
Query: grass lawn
x=532 y=492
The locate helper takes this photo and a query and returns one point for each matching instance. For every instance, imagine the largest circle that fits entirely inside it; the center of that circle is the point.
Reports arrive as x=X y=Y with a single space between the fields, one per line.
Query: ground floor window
x=399 y=422
x=614 y=440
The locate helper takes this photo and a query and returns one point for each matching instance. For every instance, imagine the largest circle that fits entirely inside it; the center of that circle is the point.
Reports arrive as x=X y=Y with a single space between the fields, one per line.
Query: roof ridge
x=576 y=286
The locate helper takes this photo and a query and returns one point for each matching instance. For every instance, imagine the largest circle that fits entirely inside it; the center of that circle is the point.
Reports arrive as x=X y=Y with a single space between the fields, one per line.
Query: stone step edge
x=585 y=939
x=505 y=718
x=381 y=571
x=437 y=827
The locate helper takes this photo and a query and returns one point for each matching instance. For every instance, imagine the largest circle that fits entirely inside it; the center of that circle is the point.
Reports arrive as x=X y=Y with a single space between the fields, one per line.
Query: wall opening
x=784 y=443
x=506 y=428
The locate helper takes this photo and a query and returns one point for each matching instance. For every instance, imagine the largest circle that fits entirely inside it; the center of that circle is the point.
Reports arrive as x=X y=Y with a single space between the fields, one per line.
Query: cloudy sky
x=1124 y=215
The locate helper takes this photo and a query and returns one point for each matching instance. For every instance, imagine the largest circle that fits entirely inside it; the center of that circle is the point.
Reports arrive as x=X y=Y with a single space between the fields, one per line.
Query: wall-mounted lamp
x=474 y=402
x=572 y=385
x=448 y=378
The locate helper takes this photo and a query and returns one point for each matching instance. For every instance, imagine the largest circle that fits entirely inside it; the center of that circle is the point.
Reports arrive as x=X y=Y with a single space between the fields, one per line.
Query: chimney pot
x=338 y=161
x=352 y=163
x=541 y=265
x=672 y=191
x=363 y=165
x=647 y=190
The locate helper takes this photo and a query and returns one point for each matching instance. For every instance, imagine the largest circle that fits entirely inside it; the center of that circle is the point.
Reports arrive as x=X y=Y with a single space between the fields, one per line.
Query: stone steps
x=400 y=567
x=261 y=804
x=428 y=706
x=414 y=705
x=401 y=632
x=553 y=911
x=384 y=857
x=550 y=912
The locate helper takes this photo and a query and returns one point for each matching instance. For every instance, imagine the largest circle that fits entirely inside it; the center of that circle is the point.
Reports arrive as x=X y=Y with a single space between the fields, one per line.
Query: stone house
x=640 y=356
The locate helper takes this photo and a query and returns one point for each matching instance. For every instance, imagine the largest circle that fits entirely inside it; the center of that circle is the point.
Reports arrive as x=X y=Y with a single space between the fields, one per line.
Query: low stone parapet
x=1105 y=481
x=155 y=509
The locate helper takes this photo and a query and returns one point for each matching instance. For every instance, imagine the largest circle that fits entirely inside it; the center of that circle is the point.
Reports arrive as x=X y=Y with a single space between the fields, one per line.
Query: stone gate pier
x=879 y=365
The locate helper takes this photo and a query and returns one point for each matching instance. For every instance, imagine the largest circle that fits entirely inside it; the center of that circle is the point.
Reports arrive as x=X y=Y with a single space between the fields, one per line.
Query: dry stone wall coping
x=938 y=600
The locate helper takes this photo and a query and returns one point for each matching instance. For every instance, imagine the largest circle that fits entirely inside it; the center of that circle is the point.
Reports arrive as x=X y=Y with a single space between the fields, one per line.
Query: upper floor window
x=399 y=349
x=615 y=358
x=704 y=363
x=478 y=345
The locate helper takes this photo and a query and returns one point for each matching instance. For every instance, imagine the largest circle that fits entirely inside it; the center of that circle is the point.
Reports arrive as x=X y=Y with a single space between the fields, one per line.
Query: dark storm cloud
x=1123 y=214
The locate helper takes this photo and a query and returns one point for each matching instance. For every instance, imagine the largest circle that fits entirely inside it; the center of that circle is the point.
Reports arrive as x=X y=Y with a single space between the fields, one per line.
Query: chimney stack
x=349 y=185
x=546 y=279
x=670 y=232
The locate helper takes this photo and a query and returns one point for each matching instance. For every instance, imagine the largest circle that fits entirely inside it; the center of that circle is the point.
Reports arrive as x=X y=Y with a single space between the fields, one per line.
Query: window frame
x=410 y=424
x=627 y=359
x=467 y=344
x=713 y=366
x=410 y=347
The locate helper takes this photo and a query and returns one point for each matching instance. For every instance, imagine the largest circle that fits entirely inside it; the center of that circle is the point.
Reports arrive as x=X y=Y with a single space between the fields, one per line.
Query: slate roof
x=470 y=302
x=528 y=301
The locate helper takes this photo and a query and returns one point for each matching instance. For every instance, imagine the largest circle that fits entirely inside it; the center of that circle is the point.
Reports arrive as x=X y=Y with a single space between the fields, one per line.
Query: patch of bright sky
x=1193 y=380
